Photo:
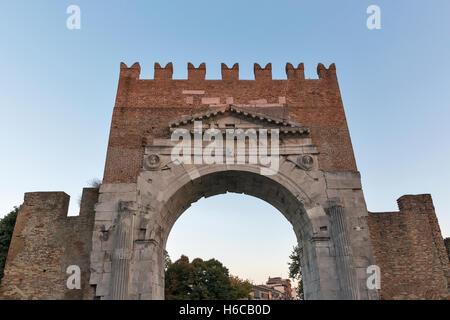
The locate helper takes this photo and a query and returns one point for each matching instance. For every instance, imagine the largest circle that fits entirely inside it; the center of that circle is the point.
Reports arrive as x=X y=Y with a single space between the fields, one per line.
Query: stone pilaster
x=123 y=246
x=347 y=278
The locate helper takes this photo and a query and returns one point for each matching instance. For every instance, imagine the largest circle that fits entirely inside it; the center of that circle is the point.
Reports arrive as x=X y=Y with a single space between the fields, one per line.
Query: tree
x=211 y=280
x=167 y=261
x=203 y=280
x=179 y=279
x=7 y=224
x=295 y=269
x=242 y=288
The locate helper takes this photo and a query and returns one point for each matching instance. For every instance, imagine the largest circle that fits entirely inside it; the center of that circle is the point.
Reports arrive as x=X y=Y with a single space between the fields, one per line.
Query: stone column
x=121 y=254
x=346 y=274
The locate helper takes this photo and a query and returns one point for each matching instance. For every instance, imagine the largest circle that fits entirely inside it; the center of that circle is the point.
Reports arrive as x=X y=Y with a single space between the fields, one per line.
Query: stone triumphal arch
x=119 y=238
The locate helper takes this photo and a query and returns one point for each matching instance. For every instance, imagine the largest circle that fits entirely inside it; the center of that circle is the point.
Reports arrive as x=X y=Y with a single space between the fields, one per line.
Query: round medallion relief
x=152 y=162
x=305 y=162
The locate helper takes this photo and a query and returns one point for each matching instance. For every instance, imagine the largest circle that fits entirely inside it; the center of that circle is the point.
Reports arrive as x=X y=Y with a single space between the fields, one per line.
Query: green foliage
x=242 y=288
x=7 y=224
x=179 y=279
x=295 y=269
x=211 y=281
x=203 y=280
x=167 y=261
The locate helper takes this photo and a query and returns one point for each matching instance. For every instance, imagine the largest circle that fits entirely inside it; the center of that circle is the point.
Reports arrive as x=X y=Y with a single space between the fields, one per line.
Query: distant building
x=294 y=294
x=282 y=285
x=274 y=289
x=263 y=292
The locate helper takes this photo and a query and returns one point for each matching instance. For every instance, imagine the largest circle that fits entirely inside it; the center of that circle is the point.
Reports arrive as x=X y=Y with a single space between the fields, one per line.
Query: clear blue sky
x=57 y=89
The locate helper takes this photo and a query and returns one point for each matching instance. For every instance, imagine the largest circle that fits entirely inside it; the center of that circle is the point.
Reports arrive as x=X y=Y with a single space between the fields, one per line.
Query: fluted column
x=346 y=272
x=121 y=255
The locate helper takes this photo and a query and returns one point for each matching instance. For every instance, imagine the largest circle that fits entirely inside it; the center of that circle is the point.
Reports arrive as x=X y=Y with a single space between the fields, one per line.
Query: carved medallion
x=305 y=162
x=152 y=162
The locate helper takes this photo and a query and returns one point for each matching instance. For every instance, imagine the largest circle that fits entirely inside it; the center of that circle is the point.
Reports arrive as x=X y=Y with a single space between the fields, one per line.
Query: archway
x=326 y=211
x=254 y=186
x=278 y=190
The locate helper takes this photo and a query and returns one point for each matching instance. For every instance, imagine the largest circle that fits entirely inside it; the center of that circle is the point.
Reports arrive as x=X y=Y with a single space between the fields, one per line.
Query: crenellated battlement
x=325 y=73
x=197 y=91
x=408 y=244
x=163 y=73
x=295 y=73
x=262 y=73
x=45 y=242
x=196 y=73
x=150 y=104
x=132 y=72
x=228 y=74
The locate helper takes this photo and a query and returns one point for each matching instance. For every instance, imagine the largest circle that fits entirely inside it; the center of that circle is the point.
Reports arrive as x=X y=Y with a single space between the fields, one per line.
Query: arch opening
x=246 y=234
x=278 y=191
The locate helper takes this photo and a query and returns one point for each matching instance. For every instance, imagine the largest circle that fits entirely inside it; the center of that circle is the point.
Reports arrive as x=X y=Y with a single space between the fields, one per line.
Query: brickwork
x=45 y=242
x=447 y=246
x=409 y=249
x=144 y=107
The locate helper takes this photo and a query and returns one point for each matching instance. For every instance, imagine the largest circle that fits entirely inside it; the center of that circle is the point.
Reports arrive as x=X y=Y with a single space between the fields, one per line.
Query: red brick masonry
x=410 y=251
x=144 y=107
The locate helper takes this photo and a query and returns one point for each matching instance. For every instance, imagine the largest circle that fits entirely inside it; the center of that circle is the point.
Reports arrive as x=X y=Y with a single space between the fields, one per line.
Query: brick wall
x=144 y=108
x=409 y=249
x=44 y=243
x=447 y=246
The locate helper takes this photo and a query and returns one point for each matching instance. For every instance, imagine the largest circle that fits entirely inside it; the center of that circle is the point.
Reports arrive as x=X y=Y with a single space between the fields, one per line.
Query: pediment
x=238 y=117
